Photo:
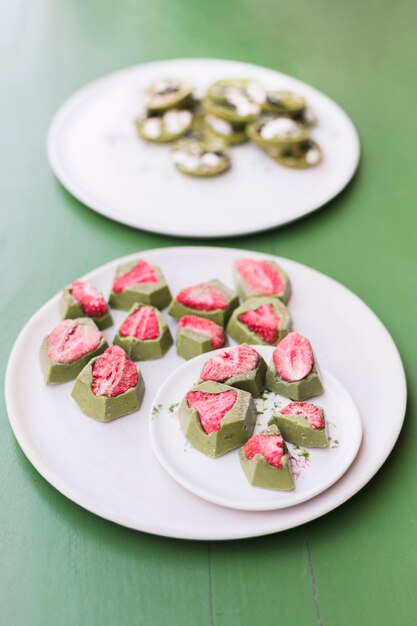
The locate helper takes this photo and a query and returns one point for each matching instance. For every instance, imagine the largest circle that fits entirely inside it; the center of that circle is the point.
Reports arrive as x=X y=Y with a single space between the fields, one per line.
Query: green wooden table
x=62 y=566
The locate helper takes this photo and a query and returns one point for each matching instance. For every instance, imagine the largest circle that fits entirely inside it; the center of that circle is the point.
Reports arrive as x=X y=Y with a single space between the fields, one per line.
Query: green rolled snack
x=283 y=102
x=163 y=95
x=229 y=89
x=300 y=156
x=166 y=127
x=269 y=131
x=201 y=158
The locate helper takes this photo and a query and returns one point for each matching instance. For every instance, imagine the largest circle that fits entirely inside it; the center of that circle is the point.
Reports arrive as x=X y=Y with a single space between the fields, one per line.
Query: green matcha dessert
x=241 y=367
x=233 y=134
x=282 y=102
x=266 y=462
x=80 y=299
x=216 y=418
x=262 y=320
x=139 y=281
x=109 y=386
x=256 y=277
x=269 y=131
x=300 y=156
x=144 y=334
x=229 y=89
x=302 y=423
x=292 y=372
x=201 y=158
x=197 y=335
x=168 y=94
x=68 y=348
x=166 y=127
x=212 y=300
x=237 y=110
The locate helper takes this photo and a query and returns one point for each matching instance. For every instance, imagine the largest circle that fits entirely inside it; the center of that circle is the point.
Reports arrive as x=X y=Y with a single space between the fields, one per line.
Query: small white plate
x=222 y=480
x=94 y=151
x=111 y=470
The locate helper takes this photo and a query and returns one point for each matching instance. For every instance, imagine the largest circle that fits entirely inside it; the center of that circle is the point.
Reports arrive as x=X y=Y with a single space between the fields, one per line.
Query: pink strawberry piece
x=90 y=298
x=70 y=341
x=310 y=411
x=260 y=276
x=202 y=297
x=142 y=273
x=264 y=321
x=293 y=357
x=230 y=363
x=142 y=324
x=113 y=373
x=271 y=447
x=211 y=407
x=204 y=327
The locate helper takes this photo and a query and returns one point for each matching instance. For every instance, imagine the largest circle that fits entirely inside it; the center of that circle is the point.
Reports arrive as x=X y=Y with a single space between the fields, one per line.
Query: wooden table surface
x=62 y=566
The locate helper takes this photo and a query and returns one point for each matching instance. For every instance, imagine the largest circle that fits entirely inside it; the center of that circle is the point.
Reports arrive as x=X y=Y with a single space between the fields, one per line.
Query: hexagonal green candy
x=246 y=291
x=220 y=316
x=72 y=309
x=261 y=473
x=57 y=373
x=296 y=429
x=191 y=343
x=300 y=156
x=201 y=158
x=241 y=333
x=269 y=131
x=103 y=408
x=145 y=349
x=253 y=381
x=236 y=426
x=283 y=102
x=167 y=94
x=299 y=390
x=153 y=293
x=166 y=127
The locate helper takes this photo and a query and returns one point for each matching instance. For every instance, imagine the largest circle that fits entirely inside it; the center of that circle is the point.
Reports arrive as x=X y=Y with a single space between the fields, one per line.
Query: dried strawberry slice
x=142 y=324
x=205 y=327
x=211 y=407
x=113 y=373
x=310 y=411
x=271 y=447
x=264 y=321
x=260 y=276
x=90 y=298
x=70 y=341
x=293 y=357
x=202 y=297
x=229 y=363
x=143 y=272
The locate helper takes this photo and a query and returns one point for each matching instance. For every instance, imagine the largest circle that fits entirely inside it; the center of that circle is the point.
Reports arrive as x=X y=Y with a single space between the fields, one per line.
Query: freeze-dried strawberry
x=260 y=276
x=113 y=373
x=142 y=324
x=90 y=298
x=271 y=447
x=211 y=407
x=264 y=321
x=205 y=327
x=70 y=341
x=202 y=297
x=310 y=411
x=232 y=362
x=293 y=357
x=142 y=273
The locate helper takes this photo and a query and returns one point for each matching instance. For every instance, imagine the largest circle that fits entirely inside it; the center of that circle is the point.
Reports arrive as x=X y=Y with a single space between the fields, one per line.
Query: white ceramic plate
x=110 y=469
x=94 y=151
x=222 y=480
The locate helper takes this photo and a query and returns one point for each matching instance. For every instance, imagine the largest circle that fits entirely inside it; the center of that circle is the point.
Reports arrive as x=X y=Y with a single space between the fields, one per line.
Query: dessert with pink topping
x=81 y=299
x=302 y=423
x=261 y=277
x=292 y=372
x=68 y=348
x=109 y=386
x=216 y=418
x=266 y=462
x=144 y=334
x=139 y=282
x=212 y=300
x=197 y=335
x=263 y=320
x=241 y=367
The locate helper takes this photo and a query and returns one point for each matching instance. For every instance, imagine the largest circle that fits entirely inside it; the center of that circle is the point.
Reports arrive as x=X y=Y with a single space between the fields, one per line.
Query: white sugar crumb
x=210 y=159
x=256 y=93
x=177 y=121
x=219 y=126
x=281 y=127
x=245 y=107
x=152 y=127
x=313 y=156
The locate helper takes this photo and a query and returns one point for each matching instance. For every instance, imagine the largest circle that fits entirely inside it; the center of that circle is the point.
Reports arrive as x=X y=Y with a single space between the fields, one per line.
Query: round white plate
x=110 y=469
x=94 y=151
x=222 y=480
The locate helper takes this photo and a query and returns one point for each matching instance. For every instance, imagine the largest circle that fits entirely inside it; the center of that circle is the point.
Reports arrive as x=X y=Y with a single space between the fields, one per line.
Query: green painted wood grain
x=62 y=566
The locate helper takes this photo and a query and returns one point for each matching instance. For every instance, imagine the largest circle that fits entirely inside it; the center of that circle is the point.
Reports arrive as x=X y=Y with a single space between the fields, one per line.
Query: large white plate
x=222 y=480
x=95 y=153
x=111 y=470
